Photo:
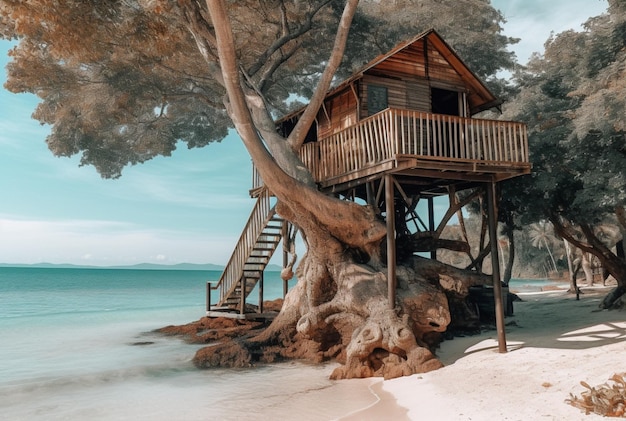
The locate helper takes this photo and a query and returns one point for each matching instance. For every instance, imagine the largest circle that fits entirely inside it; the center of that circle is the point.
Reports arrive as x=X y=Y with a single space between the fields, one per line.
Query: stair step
x=258 y=257
x=265 y=238
x=264 y=246
x=257 y=248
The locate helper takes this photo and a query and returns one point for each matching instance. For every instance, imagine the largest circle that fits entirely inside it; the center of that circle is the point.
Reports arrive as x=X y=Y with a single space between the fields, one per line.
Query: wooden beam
x=495 y=264
x=261 y=292
x=431 y=223
x=242 y=290
x=391 y=241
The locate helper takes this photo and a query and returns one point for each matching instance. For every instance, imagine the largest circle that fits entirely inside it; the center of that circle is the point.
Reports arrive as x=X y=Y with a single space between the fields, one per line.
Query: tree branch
x=269 y=72
x=297 y=136
x=239 y=112
x=200 y=30
x=286 y=37
x=314 y=207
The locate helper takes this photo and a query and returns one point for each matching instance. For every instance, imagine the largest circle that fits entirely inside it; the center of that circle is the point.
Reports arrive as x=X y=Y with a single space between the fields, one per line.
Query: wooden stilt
x=261 y=292
x=208 y=296
x=431 y=222
x=370 y=195
x=285 y=234
x=391 y=241
x=495 y=264
x=242 y=285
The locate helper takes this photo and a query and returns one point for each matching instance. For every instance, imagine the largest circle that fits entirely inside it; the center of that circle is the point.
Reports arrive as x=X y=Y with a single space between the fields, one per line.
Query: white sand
x=554 y=342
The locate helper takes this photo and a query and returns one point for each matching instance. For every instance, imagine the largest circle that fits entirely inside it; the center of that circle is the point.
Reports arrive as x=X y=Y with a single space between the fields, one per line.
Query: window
x=376 y=99
x=445 y=101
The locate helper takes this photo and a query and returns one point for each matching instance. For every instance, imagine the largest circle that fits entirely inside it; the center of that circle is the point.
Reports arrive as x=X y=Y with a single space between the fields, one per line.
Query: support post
x=261 y=292
x=208 y=296
x=370 y=195
x=391 y=241
x=242 y=288
x=495 y=264
x=431 y=223
x=285 y=234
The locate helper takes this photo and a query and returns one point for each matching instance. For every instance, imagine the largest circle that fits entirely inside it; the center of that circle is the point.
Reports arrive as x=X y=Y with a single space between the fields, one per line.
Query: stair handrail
x=233 y=272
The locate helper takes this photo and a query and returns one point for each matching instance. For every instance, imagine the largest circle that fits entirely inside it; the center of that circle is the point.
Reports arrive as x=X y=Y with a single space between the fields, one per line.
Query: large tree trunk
x=509 y=230
x=340 y=306
x=339 y=309
x=572 y=266
x=588 y=242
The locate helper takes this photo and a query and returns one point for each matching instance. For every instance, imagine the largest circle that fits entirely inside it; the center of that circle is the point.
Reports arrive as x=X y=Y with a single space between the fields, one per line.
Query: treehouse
x=398 y=131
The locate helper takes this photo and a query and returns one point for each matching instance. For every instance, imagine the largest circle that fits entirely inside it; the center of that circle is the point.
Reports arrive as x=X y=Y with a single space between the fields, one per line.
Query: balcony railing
x=396 y=132
x=393 y=133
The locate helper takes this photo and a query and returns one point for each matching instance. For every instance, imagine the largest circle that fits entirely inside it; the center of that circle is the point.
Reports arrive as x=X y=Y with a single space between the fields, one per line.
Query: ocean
x=78 y=344
x=70 y=350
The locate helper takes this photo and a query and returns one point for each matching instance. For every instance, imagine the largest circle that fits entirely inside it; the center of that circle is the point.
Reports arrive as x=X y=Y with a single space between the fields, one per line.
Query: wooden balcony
x=418 y=144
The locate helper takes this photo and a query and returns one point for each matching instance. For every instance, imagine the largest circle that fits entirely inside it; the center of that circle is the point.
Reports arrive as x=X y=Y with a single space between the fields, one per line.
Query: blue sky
x=189 y=207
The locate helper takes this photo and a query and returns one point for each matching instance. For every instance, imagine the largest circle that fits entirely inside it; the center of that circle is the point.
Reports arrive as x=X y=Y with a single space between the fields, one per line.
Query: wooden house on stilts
x=398 y=131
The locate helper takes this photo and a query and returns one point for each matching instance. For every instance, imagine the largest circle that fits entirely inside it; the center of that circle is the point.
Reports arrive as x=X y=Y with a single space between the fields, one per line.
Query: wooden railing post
x=261 y=293
x=208 y=296
x=242 y=308
x=394 y=131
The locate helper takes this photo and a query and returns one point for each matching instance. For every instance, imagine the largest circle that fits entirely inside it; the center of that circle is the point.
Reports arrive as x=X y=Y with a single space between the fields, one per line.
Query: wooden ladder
x=259 y=239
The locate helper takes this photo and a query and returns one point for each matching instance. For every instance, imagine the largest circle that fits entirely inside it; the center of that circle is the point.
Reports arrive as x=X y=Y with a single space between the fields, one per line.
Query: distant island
x=139 y=266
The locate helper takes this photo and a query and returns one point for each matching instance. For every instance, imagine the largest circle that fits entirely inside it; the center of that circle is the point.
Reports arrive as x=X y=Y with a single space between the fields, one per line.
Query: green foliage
x=121 y=82
x=572 y=98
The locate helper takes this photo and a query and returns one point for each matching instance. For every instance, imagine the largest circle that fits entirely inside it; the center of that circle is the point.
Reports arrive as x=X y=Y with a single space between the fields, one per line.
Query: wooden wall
x=407 y=80
x=341 y=109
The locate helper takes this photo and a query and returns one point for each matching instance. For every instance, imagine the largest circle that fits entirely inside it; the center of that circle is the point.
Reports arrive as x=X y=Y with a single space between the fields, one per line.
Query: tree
x=572 y=98
x=541 y=235
x=126 y=80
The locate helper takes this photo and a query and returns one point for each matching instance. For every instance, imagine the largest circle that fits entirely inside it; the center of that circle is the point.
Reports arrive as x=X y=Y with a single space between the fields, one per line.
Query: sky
x=190 y=207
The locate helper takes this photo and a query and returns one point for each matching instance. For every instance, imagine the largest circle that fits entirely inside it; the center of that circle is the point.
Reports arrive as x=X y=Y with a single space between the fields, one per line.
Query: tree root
x=342 y=312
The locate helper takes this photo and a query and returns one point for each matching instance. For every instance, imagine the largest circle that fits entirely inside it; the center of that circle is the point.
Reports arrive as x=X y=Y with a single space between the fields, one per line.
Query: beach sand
x=553 y=343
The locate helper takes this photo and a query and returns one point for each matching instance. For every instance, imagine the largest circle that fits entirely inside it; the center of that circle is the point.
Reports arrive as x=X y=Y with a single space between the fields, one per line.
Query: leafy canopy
x=123 y=81
x=573 y=99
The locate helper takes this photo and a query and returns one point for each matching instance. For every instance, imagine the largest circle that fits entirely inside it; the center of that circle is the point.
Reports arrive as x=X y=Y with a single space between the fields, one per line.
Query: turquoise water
x=530 y=285
x=67 y=348
x=67 y=352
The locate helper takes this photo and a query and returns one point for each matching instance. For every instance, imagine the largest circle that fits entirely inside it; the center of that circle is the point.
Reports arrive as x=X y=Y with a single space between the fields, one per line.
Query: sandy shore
x=554 y=342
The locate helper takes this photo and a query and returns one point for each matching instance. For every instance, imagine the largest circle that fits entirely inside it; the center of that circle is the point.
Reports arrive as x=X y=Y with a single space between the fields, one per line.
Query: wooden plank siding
x=342 y=110
x=384 y=118
x=411 y=62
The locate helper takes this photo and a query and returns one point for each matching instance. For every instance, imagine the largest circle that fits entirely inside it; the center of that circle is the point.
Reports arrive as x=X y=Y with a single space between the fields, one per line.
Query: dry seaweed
x=606 y=399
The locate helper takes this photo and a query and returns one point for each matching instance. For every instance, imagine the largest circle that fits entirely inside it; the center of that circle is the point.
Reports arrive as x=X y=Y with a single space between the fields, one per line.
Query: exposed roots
x=342 y=312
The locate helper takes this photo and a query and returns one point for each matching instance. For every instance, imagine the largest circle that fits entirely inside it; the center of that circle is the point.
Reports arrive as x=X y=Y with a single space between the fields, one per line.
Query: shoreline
x=554 y=342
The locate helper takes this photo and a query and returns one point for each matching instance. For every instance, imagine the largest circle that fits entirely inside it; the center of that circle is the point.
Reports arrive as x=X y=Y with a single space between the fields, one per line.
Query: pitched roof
x=480 y=98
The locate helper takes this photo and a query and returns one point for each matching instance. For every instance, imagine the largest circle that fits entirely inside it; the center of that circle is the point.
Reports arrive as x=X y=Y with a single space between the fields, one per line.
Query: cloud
x=533 y=20
x=100 y=242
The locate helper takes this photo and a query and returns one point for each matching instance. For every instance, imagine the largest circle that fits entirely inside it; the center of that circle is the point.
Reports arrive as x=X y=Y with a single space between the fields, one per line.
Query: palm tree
x=542 y=235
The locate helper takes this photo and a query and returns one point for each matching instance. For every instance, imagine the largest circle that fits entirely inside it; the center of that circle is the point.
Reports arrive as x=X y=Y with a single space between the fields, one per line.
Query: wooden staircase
x=259 y=239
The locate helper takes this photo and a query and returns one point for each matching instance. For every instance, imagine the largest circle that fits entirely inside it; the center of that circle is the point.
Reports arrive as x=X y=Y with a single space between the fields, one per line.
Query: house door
x=444 y=101
x=448 y=138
